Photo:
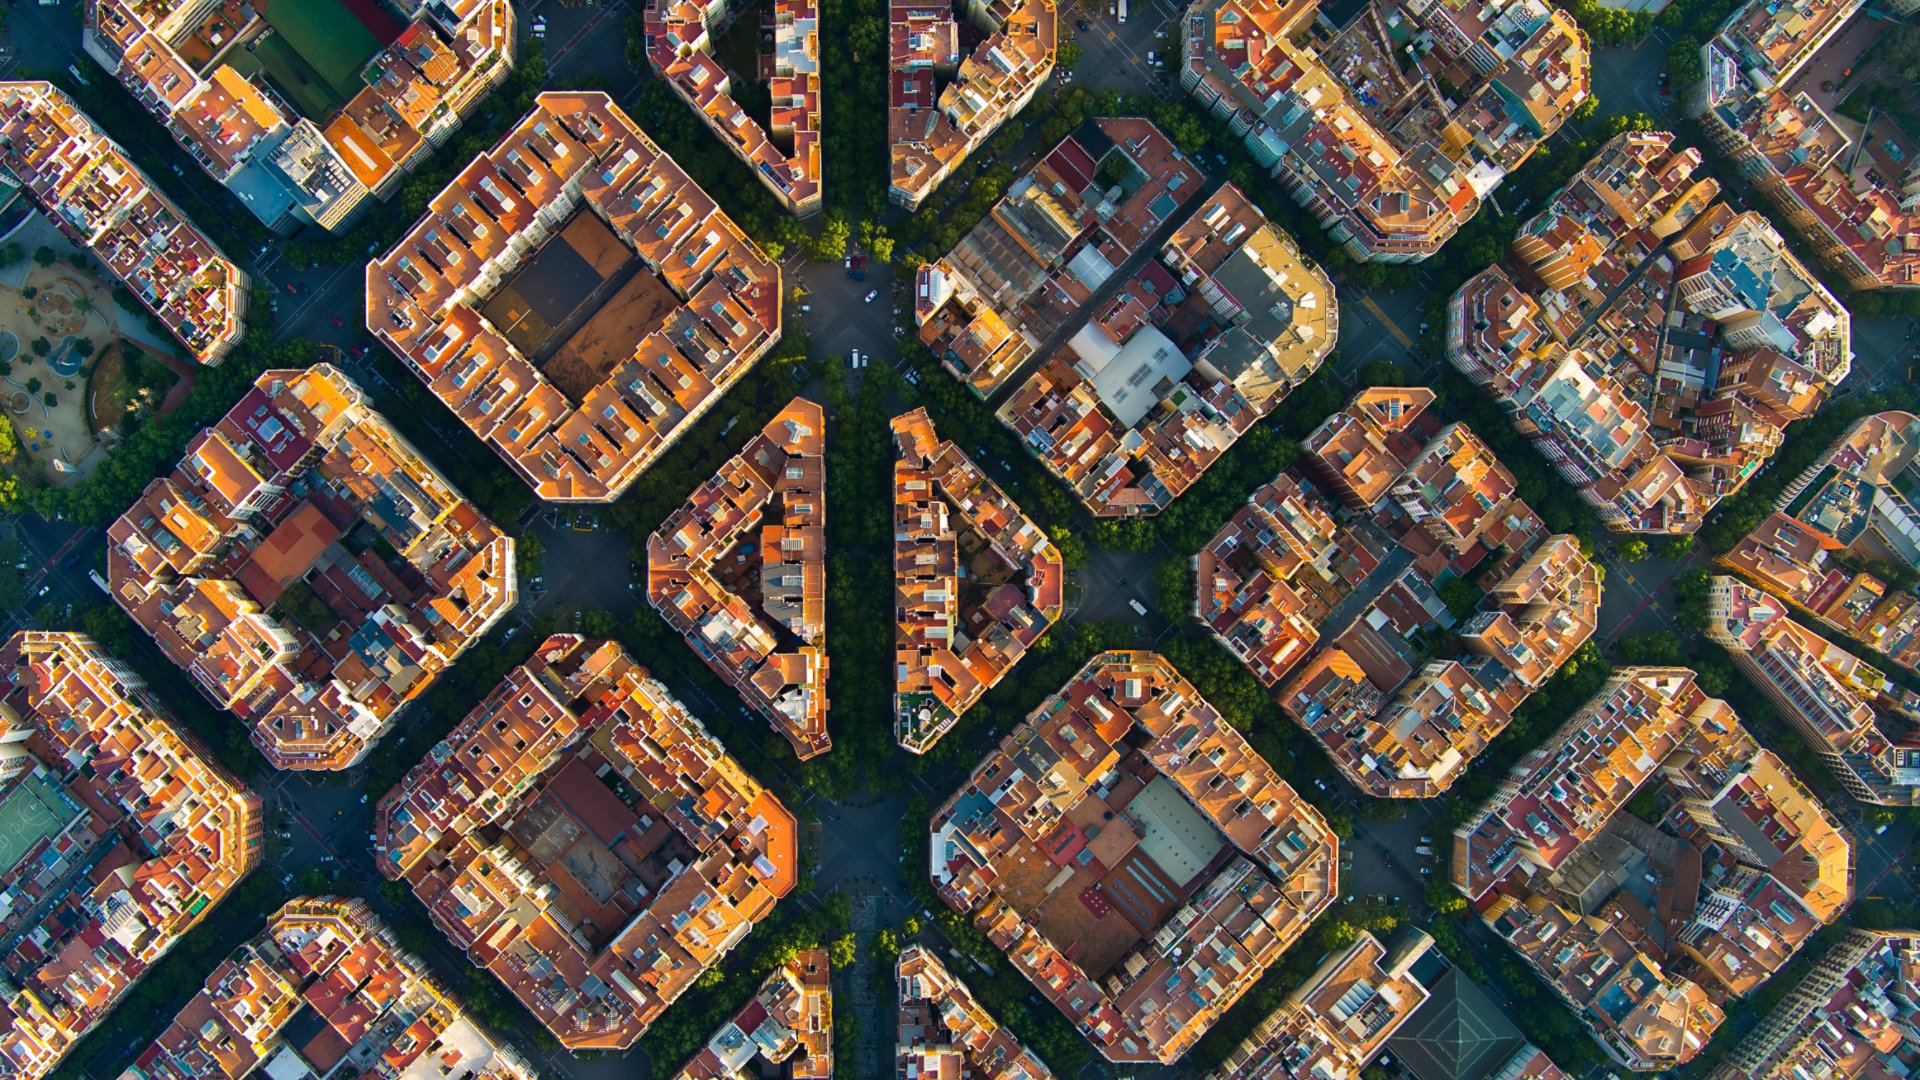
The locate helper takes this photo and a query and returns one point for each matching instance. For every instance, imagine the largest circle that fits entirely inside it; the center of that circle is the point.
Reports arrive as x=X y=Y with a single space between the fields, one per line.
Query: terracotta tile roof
x=575 y=151
x=1166 y=878
x=203 y=559
x=97 y=197
x=764 y=510
x=154 y=834
x=596 y=939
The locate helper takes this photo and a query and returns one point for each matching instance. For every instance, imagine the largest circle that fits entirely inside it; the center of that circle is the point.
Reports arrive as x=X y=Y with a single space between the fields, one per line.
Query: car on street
x=337 y=322
x=872 y=294
x=1084 y=25
x=804 y=308
x=290 y=289
x=43 y=590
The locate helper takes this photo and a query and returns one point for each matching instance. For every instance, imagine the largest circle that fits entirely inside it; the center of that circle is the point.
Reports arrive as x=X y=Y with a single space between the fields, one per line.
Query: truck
x=1137 y=606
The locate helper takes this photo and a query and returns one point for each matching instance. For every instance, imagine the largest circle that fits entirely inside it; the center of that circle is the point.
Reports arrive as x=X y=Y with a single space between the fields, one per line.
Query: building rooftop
x=699 y=306
x=326 y=985
x=309 y=568
x=1743 y=868
x=95 y=195
x=586 y=840
x=1651 y=343
x=1827 y=693
x=944 y=1031
x=1133 y=857
x=941 y=107
x=1391 y=181
x=1460 y=1034
x=960 y=625
x=1339 y=1019
x=741 y=572
x=788 y=1023
x=1345 y=638
x=1852 y=503
x=123 y=834
x=1845 y=1017
x=784 y=155
x=196 y=68
x=1167 y=373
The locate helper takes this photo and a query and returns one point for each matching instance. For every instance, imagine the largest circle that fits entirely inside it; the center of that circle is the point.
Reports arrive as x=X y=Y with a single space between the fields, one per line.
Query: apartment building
x=1277 y=570
x=1174 y=363
x=1827 y=693
x=95 y=195
x=785 y=1030
x=940 y=106
x=1054 y=239
x=309 y=569
x=754 y=536
x=123 y=833
x=326 y=990
x=1133 y=857
x=1644 y=1017
x=1650 y=342
x=1336 y=608
x=1852 y=1015
x=587 y=841
x=1354 y=133
x=576 y=299
x=305 y=116
x=1638 y=926
x=1337 y=1021
x=944 y=1031
x=1845 y=188
x=1168 y=374
x=1848 y=510
x=784 y=155
x=975 y=583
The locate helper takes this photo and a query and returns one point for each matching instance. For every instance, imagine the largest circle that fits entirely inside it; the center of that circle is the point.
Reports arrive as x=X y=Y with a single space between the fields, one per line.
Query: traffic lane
x=1119 y=50
x=586 y=568
x=43 y=37
x=331 y=312
x=843 y=319
x=1111 y=578
x=1626 y=80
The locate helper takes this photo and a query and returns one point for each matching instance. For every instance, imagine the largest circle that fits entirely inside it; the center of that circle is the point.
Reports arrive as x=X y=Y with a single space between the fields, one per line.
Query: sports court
x=318 y=49
x=30 y=813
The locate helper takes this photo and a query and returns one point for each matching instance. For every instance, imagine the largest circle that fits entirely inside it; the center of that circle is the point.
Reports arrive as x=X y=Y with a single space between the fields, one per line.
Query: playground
x=69 y=369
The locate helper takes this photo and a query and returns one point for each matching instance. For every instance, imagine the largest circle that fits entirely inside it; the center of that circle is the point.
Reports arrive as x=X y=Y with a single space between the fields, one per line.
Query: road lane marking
x=1386 y=321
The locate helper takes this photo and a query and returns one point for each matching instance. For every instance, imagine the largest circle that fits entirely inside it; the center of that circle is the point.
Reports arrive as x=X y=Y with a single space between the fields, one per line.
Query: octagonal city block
x=1134 y=857
x=587 y=841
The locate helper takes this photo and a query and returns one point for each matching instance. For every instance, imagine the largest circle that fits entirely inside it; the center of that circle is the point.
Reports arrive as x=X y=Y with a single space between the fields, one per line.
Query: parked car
x=871 y=294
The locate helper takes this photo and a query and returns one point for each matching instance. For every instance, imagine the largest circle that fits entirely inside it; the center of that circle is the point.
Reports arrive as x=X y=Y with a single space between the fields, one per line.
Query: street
x=322 y=823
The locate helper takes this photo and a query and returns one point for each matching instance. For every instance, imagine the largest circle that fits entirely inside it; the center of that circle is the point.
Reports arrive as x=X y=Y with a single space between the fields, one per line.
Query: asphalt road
x=860 y=847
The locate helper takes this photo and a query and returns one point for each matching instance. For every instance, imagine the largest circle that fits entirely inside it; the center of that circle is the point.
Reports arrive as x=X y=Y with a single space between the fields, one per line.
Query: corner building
x=576 y=299
x=586 y=840
x=123 y=833
x=1134 y=858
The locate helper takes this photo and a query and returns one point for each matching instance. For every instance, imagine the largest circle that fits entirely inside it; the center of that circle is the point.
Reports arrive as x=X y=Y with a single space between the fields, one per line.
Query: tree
x=1067 y=57
x=44 y=255
x=1633 y=550
x=831 y=244
x=41 y=346
x=841 y=951
x=882 y=247
x=33 y=386
x=84 y=346
x=50 y=399
x=886 y=946
x=9 y=441
x=529 y=556
x=1444 y=899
